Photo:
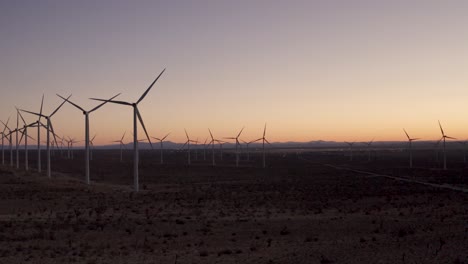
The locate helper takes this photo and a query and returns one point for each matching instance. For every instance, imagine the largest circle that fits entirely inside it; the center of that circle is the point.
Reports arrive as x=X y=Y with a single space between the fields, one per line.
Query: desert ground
x=305 y=207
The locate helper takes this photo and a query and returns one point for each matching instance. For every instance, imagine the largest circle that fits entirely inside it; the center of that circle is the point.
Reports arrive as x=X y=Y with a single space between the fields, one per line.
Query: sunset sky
x=330 y=70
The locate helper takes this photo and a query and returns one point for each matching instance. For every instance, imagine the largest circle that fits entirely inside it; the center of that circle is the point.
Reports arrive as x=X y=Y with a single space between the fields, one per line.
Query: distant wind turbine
x=122 y=144
x=444 y=137
x=86 y=115
x=410 y=141
x=187 y=143
x=3 y=137
x=263 y=139
x=212 y=142
x=161 y=149
x=24 y=132
x=369 y=149
x=49 y=128
x=91 y=147
x=136 y=115
x=350 y=144
x=237 y=145
x=247 y=148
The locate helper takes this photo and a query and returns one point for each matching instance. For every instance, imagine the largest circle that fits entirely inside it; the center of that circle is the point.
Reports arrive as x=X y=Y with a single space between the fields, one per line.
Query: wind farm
x=257 y=133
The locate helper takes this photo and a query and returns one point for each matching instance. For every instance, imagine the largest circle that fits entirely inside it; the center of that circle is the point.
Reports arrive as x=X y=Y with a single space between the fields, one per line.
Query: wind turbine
x=369 y=149
x=444 y=137
x=161 y=142
x=91 y=146
x=71 y=141
x=221 y=143
x=136 y=115
x=8 y=137
x=350 y=144
x=212 y=142
x=263 y=139
x=49 y=128
x=248 y=144
x=187 y=143
x=410 y=141
x=86 y=114
x=204 y=149
x=25 y=134
x=3 y=138
x=121 y=145
x=237 y=145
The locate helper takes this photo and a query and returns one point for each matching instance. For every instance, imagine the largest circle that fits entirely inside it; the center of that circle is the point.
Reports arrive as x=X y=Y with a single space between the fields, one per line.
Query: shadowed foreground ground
x=311 y=215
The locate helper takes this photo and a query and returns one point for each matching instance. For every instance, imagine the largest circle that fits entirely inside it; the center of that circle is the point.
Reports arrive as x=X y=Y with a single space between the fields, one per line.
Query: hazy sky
x=331 y=70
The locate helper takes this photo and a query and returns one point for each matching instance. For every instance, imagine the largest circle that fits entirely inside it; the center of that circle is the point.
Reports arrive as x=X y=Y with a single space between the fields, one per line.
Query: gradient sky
x=330 y=70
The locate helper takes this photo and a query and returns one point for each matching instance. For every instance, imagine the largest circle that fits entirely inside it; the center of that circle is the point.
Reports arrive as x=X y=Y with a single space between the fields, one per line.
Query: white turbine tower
x=350 y=144
x=136 y=115
x=410 y=141
x=237 y=145
x=8 y=137
x=49 y=128
x=86 y=115
x=122 y=144
x=263 y=139
x=161 y=144
x=444 y=137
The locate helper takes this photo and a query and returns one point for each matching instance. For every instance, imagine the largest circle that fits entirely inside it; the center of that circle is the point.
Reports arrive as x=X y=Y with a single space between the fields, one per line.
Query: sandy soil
x=299 y=213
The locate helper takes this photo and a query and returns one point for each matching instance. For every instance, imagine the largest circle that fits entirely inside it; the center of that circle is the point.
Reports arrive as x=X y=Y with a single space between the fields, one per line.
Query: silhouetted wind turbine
x=49 y=128
x=247 y=148
x=3 y=137
x=91 y=146
x=161 y=142
x=212 y=142
x=263 y=139
x=237 y=145
x=136 y=115
x=204 y=149
x=350 y=150
x=121 y=145
x=187 y=143
x=86 y=115
x=444 y=137
x=8 y=137
x=410 y=141
x=25 y=134
x=369 y=149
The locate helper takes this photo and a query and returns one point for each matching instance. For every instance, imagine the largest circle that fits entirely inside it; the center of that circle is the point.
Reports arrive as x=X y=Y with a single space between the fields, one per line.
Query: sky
x=337 y=70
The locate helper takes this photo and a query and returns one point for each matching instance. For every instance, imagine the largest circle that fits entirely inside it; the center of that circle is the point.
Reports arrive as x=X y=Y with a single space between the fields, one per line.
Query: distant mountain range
x=317 y=144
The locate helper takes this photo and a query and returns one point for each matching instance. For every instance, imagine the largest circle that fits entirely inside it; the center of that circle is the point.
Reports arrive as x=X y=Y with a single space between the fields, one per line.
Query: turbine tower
x=263 y=139
x=212 y=142
x=25 y=134
x=237 y=146
x=187 y=143
x=161 y=142
x=369 y=149
x=350 y=144
x=121 y=145
x=410 y=141
x=86 y=115
x=3 y=138
x=136 y=115
x=444 y=137
x=49 y=128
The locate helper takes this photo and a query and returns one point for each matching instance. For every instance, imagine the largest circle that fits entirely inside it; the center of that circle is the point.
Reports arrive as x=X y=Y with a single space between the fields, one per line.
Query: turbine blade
x=264 y=130
x=32 y=113
x=123 y=136
x=165 y=136
x=449 y=137
x=52 y=129
x=19 y=113
x=53 y=113
x=149 y=88
x=186 y=134
x=103 y=103
x=441 y=130
x=112 y=101
x=211 y=134
x=75 y=105
x=143 y=125
x=406 y=134
x=42 y=104
x=238 y=135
